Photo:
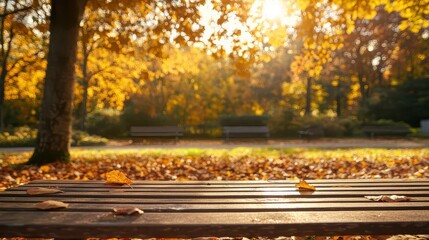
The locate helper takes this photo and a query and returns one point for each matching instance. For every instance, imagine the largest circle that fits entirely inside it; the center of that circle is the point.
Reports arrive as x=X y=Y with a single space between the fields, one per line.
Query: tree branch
x=5 y=14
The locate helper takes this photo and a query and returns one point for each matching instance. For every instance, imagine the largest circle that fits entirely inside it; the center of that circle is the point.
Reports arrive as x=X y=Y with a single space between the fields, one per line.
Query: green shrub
x=80 y=138
x=137 y=113
x=19 y=137
x=105 y=123
x=26 y=137
x=407 y=102
x=287 y=125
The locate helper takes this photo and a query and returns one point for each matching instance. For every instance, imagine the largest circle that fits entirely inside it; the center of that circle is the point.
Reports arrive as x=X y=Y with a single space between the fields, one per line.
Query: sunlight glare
x=272 y=9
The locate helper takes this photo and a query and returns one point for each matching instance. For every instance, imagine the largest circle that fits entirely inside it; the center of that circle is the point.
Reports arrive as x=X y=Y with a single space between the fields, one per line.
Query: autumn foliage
x=194 y=62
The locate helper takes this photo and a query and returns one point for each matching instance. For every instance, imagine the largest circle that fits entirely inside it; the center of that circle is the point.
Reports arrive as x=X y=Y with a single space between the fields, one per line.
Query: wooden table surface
x=217 y=208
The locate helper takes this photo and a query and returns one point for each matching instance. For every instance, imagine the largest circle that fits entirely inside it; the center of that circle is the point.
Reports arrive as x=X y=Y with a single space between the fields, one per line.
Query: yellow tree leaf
x=117 y=177
x=304 y=186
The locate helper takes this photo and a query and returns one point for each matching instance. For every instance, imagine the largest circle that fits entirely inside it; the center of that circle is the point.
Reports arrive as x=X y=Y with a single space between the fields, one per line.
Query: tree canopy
x=194 y=61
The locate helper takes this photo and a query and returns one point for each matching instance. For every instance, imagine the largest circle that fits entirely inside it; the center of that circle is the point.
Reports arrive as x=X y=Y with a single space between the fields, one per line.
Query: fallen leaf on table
x=42 y=190
x=117 y=177
x=304 y=186
x=127 y=211
x=51 y=204
x=386 y=198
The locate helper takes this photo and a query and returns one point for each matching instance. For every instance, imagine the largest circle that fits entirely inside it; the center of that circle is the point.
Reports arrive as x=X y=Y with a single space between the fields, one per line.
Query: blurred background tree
x=335 y=63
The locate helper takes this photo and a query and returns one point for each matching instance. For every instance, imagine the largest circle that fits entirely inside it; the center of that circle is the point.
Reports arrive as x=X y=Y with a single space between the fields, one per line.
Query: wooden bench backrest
x=246 y=129
x=157 y=131
x=376 y=128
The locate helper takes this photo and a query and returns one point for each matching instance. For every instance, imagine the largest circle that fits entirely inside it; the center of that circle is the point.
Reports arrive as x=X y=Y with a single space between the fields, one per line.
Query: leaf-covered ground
x=222 y=164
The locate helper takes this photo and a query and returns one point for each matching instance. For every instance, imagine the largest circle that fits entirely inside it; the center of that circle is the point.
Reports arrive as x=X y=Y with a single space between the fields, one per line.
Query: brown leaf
x=117 y=177
x=42 y=190
x=51 y=204
x=391 y=198
x=304 y=186
x=127 y=211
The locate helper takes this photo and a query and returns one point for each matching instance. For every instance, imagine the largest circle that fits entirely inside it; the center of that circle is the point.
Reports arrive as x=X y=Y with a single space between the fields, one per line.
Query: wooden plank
x=115 y=193
x=130 y=200
x=160 y=134
x=245 y=182
x=198 y=207
x=271 y=224
x=171 y=184
x=156 y=129
x=224 y=189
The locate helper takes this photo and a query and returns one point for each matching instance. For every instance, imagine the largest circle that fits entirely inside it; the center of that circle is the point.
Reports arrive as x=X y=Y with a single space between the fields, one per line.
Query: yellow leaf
x=51 y=204
x=304 y=186
x=117 y=177
x=45 y=168
x=41 y=190
x=391 y=198
x=127 y=211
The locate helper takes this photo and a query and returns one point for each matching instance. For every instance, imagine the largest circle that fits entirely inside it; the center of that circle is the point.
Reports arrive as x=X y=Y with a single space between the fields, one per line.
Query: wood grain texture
x=230 y=208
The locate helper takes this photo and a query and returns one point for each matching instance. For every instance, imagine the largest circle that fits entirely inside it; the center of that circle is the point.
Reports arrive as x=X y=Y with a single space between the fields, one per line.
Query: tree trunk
x=4 y=71
x=85 y=85
x=338 y=100
x=363 y=88
x=2 y=84
x=84 y=112
x=53 y=137
x=308 y=97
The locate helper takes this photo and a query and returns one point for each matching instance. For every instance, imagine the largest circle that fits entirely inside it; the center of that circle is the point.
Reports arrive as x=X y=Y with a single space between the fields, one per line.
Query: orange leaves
x=117 y=177
x=220 y=164
x=51 y=204
x=304 y=186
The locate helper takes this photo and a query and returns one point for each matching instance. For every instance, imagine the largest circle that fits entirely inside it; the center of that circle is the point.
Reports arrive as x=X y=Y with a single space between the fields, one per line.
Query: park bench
x=245 y=131
x=313 y=131
x=385 y=130
x=217 y=208
x=157 y=131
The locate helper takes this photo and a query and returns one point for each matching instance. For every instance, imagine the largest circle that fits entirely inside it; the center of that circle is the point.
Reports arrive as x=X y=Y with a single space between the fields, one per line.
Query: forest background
x=285 y=64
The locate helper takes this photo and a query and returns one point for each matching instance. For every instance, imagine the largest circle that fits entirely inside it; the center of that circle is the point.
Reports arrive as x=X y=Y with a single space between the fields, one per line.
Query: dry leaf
x=127 y=211
x=304 y=186
x=117 y=177
x=41 y=190
x=391 y=198
x=51 y=204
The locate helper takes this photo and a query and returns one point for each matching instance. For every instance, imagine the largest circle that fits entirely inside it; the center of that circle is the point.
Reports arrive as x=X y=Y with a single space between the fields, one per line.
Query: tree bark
x=5 y=52
x=308 y=97
x=84 y=111
x=338 y=100
x=362 y=88
x=85 y=84
x=2 y=90
x=53 y=137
